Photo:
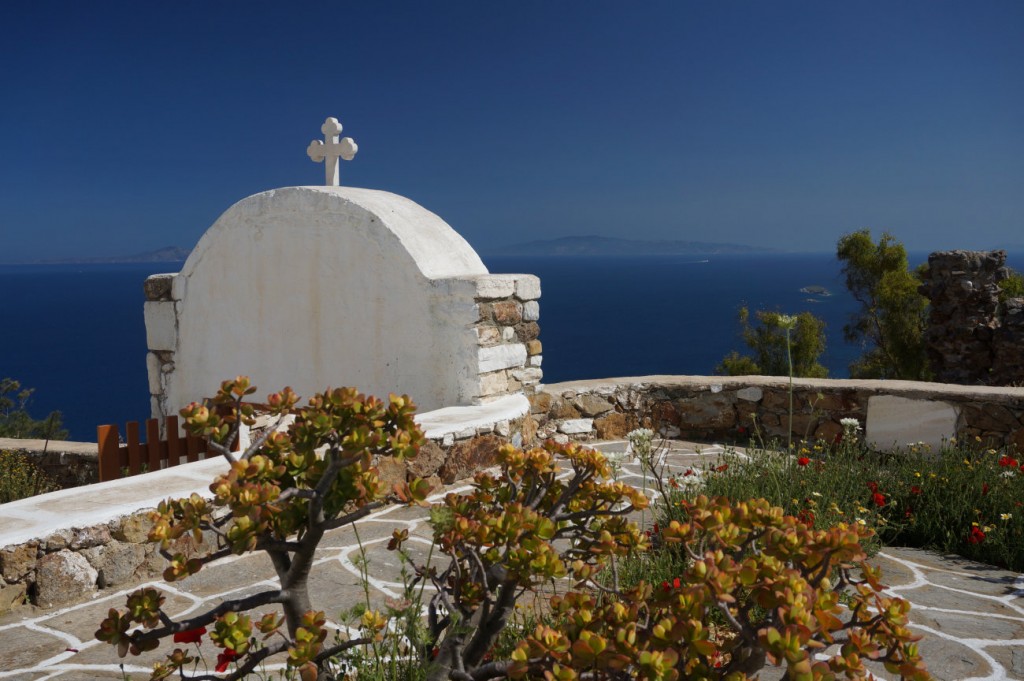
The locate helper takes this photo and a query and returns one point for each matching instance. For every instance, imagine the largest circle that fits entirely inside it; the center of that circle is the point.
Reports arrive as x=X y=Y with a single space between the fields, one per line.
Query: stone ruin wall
x=972 y=337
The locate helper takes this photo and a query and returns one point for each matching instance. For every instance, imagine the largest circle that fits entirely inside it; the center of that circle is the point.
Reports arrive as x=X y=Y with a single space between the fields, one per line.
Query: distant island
x=816 y=291
x=601 y=245
x=165 y=254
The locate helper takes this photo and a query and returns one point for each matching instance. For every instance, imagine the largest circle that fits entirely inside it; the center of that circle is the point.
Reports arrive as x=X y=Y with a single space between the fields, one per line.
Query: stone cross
x=329 y=150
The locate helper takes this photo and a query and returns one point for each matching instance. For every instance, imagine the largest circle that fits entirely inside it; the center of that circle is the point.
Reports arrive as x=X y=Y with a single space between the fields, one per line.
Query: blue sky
x=127 y=126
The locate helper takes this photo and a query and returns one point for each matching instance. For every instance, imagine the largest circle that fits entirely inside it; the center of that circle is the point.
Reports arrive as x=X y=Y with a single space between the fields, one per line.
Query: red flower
x=677 y=583
x=1006 y=461
x=914 y=489
x=976 y=536
x=190 y=636
x=802 y=461
x=225 y=658
x=873 y=486
x=984 y=489
x=666 y=587
x=879 y=499
x=688 y=473
x=741 y=430
x=724 y=467
x=806 y=517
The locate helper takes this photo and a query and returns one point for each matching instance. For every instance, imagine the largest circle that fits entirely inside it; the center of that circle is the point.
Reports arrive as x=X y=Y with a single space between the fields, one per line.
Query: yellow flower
x=1005 y=516
x=815 y=494
x=917 y=474
x=861 y=521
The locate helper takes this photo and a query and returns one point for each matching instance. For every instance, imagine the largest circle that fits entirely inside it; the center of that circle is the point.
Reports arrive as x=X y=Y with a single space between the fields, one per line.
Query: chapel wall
x=317 y=287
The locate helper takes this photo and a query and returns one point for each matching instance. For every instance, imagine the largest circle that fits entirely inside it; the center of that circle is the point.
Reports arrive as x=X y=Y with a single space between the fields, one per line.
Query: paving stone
x=22 y=648
x=1010 y=656
x=948 y=660
x=82 y=621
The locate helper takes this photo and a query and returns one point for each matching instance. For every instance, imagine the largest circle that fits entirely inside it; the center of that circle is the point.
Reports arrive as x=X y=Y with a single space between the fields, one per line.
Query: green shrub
x=20 y=478
x=1012 y=286
x=963 y=499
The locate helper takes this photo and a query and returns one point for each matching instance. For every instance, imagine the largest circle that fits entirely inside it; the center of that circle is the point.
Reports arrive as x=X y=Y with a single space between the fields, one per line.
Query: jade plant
x=279 y=497
x=760 y=588
x=514 y=532
x=757 y=587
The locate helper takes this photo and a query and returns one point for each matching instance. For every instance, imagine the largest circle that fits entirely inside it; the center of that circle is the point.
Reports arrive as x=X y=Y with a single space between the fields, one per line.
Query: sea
x=75 y=333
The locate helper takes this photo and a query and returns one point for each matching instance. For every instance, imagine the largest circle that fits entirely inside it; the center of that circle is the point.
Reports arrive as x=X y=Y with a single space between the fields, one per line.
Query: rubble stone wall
x=735 y=409
x=972 y=337
x=70 y=564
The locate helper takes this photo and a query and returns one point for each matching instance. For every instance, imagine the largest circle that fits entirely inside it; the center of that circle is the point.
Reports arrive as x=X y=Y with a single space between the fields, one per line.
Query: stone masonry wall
x=68 y=565
x=734 y=409
x=972 y=338
x=508 y=334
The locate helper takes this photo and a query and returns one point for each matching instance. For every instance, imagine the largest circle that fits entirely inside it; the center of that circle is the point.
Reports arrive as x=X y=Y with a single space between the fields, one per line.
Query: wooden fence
x=118 y=460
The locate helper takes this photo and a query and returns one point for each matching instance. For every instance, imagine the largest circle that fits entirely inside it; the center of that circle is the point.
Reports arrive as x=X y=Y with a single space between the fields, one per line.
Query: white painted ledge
x=38 y=517
x=101 y=503
x=451 y=420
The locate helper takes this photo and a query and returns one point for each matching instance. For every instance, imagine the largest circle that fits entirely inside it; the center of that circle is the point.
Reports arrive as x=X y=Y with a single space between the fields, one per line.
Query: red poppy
x=802 y=461
x=666 y=587
x=190 y=636
x=806 y=517
x=873 y=486
x=914 y=489
x=688 y=473
x=976 y=536
x=984 y=489
x=677 y=583
x=225 y=658
x=878 y=498
x=722 y=468
x=1006 y=461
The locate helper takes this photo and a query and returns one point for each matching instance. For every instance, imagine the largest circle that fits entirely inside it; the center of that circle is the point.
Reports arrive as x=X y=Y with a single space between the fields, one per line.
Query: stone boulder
x=64 y=577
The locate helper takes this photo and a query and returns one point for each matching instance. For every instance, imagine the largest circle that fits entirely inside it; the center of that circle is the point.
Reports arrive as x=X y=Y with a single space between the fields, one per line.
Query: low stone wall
x=66 y=565
x=733 y=409
x=69 y=464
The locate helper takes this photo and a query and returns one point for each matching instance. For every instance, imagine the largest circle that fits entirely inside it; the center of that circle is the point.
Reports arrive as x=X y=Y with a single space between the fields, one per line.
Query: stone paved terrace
x=970 y=615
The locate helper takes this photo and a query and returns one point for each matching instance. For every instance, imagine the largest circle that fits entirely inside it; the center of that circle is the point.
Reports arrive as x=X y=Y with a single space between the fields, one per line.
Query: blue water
x=75 y=333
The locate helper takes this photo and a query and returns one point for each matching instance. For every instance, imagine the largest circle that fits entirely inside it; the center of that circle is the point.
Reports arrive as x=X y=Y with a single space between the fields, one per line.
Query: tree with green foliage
x=15 y=421
x=892 y=318
x=1012 y=286
x=767 y=339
